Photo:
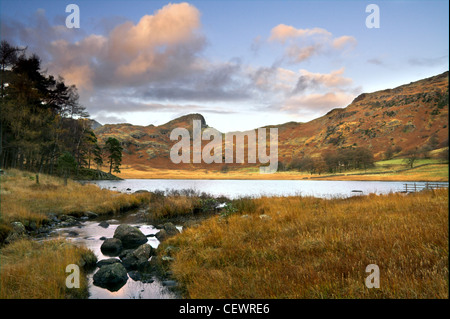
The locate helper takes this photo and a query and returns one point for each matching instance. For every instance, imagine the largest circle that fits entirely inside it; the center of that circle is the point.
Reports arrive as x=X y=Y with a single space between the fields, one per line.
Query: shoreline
x=281 y=177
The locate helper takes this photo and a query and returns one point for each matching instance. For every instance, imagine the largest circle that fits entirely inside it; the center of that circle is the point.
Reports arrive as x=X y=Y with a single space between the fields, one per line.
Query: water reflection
x=89 y=234
x=256 y=188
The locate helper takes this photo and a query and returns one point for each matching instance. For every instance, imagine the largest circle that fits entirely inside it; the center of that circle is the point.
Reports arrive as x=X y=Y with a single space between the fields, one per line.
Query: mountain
x=403 y=118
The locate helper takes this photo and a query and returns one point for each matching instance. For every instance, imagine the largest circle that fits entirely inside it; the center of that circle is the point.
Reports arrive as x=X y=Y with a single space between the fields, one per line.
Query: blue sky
x=242 y=64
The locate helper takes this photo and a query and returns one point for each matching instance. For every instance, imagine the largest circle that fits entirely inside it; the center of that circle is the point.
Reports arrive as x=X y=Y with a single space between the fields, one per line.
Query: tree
x=66 y=163
x=41 y=118
x=98 y=156
x=114 y=154
x=389 y=153
x=412 y=156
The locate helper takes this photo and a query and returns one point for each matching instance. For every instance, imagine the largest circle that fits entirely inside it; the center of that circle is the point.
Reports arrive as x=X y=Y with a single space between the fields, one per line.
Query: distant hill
x=95 y=124
x=402 y=118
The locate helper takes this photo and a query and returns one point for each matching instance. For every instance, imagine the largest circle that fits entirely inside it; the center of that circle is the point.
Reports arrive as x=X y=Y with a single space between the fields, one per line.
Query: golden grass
x=302 y=247
x=22 y=199
x=173 y=206
x=33 y=270
x=432 y=173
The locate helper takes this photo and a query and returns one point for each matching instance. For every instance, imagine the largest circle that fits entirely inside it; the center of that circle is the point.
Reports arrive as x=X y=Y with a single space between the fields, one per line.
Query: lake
x=257 y=188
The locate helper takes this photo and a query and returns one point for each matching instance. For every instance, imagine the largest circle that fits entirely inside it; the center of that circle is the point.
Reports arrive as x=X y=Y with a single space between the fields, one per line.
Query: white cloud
x=302 y=44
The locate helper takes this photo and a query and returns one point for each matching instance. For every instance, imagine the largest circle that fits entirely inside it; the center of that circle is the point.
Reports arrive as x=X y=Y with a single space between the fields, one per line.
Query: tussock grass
x=304 y=247
x=23 y=199
x=173 y=206
x=36 y=270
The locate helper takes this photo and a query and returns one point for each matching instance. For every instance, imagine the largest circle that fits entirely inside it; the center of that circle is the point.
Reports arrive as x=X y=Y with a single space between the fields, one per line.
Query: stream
x=91 y=235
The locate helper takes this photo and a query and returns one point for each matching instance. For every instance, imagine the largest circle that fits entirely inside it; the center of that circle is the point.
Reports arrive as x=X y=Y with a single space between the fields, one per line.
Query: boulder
x=68 y=221
x=111 y=277
x=170 y=229
x=18 y=232
x=130 y=236
x=90 y=215
x=111 y=247
x=169 y=283
x=137 y=276
x=167 y=230
x=138 y=258
x=161 y=235
x=103 y=224
x=108 y=261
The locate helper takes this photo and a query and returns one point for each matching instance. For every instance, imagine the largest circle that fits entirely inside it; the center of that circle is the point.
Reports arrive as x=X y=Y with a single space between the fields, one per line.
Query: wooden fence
x=420 y=186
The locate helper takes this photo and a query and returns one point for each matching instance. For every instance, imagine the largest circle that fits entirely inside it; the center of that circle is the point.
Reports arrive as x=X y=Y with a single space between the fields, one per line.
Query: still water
x=256 y=188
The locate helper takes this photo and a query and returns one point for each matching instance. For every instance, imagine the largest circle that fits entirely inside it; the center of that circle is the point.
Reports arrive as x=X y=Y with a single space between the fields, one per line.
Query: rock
x=69 y=221
x=137 y=276
x=138 y=258
x=168 y=230
x=111 y=247
x=18 y=232
x=125 y=252
x=30 y=225
x=111 y=277
x=265 y=217
x=108 y=261
x=130 y=236
x=103 y=238
x=103 y=224
x=161 y=235
x=169 y=283
x=72 y=233
x=52 y=217
x=18 y=227
x=90 y=215
x=63 y=217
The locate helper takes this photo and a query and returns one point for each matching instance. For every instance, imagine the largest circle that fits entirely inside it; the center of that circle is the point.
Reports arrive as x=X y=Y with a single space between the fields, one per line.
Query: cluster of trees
x=43 y=126
x=339 y=160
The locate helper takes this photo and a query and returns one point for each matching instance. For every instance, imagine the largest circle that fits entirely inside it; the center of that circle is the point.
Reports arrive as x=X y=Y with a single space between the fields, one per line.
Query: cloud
x=344 y=41
x=317 y=103
x=283 y=32
x=105 y=118
x=157 y=64
x=309 y=80
x=428 y=61
x=302 y=44
x=375 y=61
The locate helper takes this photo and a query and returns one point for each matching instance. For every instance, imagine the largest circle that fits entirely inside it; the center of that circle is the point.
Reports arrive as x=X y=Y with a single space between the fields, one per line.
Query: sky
x=241 y=64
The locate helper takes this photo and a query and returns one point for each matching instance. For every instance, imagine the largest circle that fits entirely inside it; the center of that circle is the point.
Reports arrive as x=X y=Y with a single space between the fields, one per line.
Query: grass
x=31 y=269
x=22 y=199
x=304 y=247
x=35 y=270
x=434 y=171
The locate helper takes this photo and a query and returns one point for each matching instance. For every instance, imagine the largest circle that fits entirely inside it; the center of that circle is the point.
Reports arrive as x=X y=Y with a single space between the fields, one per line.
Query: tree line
x=44 y=128
x=333 y=161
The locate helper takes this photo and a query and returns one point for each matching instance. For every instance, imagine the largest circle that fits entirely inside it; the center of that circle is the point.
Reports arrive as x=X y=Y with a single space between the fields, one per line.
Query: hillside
x=402 y=118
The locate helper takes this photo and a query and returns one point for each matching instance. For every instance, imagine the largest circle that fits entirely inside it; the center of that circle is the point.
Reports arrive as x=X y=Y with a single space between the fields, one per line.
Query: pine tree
x=114 y=154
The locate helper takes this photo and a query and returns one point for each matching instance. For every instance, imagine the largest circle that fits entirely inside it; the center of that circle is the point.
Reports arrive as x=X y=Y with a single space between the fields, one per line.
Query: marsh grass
x=307 y=247
x=22 y=199
x=36 y=270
